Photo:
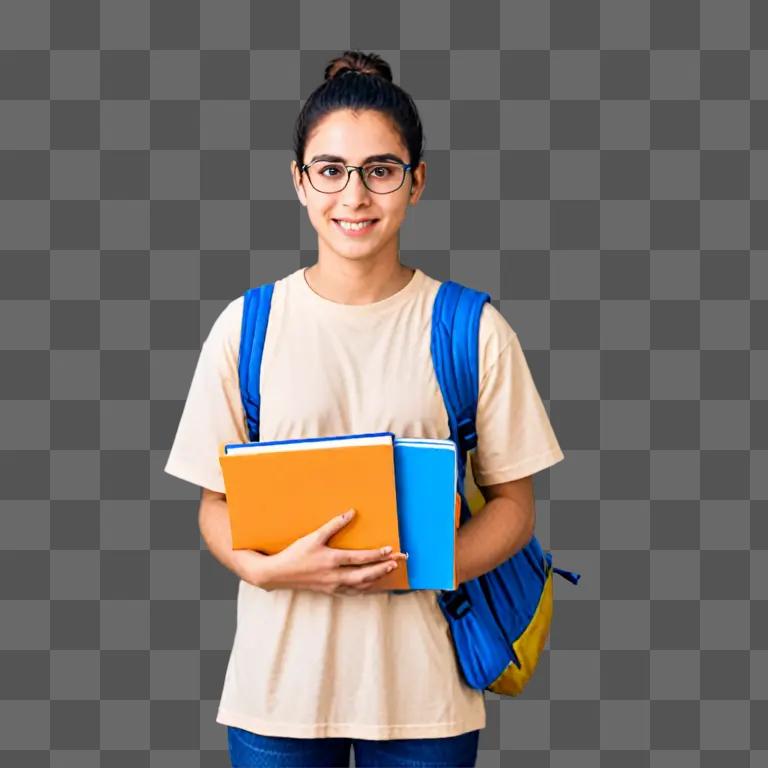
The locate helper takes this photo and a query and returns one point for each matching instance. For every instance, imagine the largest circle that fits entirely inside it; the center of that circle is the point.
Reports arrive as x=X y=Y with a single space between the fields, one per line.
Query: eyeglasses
x=381 y=178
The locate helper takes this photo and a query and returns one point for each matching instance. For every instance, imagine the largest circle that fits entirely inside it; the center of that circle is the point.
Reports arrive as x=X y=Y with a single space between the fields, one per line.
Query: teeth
x=347 y=225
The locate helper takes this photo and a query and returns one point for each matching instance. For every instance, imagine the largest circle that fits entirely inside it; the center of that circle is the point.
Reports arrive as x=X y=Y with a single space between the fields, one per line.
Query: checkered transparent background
x=614 y=158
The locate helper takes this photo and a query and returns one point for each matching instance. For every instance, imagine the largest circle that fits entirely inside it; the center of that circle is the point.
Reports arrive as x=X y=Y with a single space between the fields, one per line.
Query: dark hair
x=360 y=81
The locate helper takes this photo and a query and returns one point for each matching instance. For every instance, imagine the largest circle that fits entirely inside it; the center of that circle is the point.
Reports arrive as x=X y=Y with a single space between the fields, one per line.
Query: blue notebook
x=425 y=479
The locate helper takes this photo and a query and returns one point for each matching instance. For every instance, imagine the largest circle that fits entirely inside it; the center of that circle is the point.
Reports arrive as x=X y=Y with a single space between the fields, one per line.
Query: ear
x=296 y=185
x=423 y=169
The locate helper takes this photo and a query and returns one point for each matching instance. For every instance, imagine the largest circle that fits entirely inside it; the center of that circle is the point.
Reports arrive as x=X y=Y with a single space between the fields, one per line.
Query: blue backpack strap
x=454 y=345
x=256 y=305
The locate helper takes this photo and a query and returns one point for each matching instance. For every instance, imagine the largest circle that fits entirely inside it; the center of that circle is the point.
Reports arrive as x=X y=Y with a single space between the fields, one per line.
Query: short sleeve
x=213 y=412
x=514 y=434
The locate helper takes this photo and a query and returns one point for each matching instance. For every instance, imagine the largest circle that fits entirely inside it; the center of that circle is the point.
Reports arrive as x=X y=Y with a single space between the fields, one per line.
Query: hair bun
x=356 y=61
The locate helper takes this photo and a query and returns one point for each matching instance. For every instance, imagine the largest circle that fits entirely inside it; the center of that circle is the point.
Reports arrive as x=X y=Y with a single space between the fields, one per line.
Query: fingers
x=335 y=524
x=362 y=556
x=365 y=584
x=353 y=556
x=368 y=575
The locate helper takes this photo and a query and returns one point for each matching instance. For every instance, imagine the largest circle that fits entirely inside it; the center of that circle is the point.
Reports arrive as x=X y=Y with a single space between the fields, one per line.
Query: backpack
x=499 y=621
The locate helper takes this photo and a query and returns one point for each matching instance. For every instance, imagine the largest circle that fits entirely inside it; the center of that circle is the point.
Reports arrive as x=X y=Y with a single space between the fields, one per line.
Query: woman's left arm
x=499 y=529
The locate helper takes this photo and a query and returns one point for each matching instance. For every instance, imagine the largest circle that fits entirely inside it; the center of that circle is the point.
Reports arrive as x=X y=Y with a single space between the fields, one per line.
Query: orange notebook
x=282 y=490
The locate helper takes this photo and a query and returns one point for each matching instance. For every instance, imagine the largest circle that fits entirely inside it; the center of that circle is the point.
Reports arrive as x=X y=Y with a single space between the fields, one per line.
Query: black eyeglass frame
x=359 y=168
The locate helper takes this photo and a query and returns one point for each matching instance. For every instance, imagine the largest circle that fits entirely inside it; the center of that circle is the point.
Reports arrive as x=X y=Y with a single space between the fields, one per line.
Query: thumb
x=335 y=524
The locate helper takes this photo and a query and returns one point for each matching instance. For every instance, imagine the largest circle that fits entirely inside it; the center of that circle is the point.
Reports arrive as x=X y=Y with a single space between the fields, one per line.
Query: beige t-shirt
x=382 y=665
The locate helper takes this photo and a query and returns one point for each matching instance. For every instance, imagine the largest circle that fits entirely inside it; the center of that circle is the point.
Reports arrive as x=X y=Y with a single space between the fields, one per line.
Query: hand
x=309 y=563
x=370 y=587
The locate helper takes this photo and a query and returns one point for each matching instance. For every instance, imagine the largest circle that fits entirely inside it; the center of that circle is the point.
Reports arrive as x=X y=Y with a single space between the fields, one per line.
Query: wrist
x=250 y=566
x=263 y=571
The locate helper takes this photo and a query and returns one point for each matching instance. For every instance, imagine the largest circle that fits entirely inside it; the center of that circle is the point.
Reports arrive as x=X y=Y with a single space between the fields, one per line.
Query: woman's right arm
x=213 y=518
x=307 y=563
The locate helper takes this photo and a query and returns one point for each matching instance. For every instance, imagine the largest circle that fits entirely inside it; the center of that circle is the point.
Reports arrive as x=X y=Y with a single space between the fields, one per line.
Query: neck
x=346 y=281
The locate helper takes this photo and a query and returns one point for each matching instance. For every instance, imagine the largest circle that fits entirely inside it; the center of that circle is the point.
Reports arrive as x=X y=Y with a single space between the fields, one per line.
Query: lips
x=356 y=232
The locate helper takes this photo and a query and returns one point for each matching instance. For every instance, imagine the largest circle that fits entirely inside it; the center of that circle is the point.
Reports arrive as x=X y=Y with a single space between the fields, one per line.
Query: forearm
x=498 y=530
x=247 y=564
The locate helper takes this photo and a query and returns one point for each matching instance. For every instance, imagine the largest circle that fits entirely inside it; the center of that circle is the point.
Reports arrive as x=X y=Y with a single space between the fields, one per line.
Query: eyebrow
x=386 y=157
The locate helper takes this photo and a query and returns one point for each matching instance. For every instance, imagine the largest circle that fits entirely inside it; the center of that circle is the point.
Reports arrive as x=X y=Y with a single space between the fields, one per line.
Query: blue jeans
x=247 y=749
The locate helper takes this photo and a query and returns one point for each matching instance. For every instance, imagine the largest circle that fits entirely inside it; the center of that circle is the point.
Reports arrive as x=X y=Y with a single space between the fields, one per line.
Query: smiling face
x=355 y=136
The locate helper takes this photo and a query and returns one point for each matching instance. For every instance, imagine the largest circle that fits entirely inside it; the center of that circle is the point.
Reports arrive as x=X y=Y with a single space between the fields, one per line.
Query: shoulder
x=226 y=325
x=495 y=335
x=225 y=331
x=222 y=344
x=494 y=324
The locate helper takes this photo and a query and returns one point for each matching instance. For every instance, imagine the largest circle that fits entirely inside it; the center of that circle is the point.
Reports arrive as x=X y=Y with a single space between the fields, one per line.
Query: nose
x=355 y=188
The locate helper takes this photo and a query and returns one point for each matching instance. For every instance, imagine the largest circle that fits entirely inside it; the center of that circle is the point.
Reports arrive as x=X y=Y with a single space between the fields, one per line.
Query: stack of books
x=403 y=491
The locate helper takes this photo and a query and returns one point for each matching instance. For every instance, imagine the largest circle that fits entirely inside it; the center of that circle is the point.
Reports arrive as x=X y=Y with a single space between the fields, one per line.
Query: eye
x=387 y=171
x=336 y=168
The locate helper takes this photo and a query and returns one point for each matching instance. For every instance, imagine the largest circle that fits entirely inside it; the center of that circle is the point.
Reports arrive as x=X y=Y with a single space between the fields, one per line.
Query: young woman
x=322 y=660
